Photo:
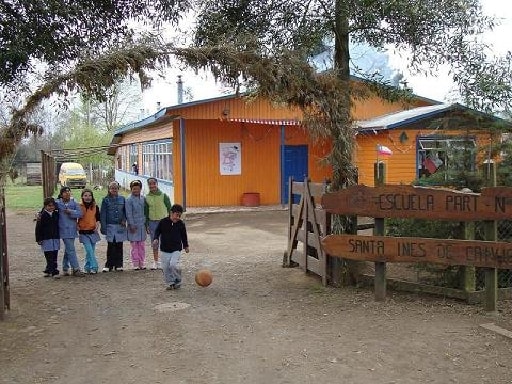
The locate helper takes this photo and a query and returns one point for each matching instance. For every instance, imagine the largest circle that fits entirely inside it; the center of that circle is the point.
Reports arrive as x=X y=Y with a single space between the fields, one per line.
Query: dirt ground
x=256 y=323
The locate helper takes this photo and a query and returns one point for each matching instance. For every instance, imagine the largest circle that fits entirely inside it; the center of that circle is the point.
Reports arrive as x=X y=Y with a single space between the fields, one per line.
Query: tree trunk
x=343 y=272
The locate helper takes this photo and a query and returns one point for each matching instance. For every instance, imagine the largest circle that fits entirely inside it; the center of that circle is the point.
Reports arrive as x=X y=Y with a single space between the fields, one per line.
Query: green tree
x=434 y=32
x=87 y=130
x=485 y=81
x=56 y=32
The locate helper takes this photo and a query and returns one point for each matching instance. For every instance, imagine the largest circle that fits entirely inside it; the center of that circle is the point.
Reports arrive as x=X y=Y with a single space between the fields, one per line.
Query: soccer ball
x=203 y=277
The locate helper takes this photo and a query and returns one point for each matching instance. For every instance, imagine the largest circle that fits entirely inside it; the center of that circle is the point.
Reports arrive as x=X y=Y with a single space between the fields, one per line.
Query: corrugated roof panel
x=397 y=119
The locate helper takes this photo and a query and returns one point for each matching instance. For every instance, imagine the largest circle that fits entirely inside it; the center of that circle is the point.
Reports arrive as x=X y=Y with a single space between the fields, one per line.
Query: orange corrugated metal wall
x=261 y=167
x=260 y=163
x=373 y=106
x=235 y=108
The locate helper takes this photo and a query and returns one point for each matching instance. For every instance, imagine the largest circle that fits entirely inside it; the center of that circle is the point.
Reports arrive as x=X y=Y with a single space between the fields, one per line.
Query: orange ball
x=203 y=277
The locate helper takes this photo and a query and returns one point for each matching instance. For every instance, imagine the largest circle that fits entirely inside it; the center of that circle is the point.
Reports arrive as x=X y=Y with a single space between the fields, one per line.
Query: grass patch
x=21 y=197
x=30 y=198
x=317 y=289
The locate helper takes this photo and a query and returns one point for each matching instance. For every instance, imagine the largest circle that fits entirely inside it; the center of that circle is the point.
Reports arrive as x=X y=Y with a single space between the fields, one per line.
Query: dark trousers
x=114 y=255
x=51 y=262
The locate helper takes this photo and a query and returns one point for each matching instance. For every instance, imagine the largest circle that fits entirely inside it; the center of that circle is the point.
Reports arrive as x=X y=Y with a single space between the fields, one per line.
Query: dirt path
x=257 y=322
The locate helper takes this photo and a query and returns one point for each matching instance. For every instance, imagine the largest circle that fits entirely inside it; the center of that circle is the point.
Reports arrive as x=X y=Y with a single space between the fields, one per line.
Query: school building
x=219 y=151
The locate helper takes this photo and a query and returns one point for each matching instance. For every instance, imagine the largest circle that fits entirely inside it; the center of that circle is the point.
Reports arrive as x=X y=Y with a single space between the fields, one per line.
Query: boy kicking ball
x=171 y=234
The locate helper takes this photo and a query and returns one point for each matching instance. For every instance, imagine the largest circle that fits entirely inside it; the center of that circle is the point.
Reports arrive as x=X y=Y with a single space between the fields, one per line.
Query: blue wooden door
x=295 y=164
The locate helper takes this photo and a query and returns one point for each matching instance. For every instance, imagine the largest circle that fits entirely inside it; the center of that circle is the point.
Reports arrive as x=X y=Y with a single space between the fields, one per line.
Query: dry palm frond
x=287 y=77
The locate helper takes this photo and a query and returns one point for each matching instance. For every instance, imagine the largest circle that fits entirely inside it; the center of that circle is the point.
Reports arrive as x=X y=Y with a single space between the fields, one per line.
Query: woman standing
x=88 y=230
x=136 y=224
x=69 y=212
x=113 y=226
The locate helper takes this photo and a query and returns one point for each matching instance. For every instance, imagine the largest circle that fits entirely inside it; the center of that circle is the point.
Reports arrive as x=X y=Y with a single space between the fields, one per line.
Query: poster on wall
x=230 y=159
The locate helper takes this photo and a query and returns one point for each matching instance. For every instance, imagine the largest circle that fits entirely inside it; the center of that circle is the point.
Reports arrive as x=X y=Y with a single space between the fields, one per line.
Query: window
x=134 y=154
x=122 y=157
x=157 y=160
x=447 y=155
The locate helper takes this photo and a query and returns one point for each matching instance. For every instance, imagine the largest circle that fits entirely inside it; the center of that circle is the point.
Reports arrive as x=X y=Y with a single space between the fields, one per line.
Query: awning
x=278 y=122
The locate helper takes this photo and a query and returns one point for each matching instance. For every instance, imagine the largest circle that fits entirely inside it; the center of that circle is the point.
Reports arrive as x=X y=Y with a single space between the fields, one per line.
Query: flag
x=382 y=150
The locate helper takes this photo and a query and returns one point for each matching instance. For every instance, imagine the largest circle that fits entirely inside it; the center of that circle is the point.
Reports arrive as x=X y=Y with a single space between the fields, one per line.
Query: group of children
x=119 y=220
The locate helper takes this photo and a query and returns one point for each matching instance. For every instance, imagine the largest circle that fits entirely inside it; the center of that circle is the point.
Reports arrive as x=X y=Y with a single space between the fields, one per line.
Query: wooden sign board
x=411 y=249
x=420 y=203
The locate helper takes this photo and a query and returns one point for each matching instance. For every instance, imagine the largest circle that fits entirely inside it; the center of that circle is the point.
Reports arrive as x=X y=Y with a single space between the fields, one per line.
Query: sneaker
x=119 y=269
x=177 y=286
x=106 y=269
x=154 y=266
x=158 y=265
x=46 y=274
x=93 y=272
x=142 y=268
x=78 y=273
x=66 y=273
x=56 y=276
x=170 y=287
x=136 y=268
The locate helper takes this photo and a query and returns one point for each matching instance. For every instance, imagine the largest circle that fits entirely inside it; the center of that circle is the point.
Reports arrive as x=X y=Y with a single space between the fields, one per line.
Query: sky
x=441 y=87
x=202 y=85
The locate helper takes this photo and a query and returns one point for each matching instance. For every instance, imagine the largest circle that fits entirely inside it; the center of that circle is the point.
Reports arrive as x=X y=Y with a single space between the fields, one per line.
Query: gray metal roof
x=397 y=119
x=161 y=114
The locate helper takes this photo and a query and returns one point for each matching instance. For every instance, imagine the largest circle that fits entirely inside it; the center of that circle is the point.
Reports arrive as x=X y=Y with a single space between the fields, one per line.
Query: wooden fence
x=312 y=246
x=381 y=202
x=49 y=174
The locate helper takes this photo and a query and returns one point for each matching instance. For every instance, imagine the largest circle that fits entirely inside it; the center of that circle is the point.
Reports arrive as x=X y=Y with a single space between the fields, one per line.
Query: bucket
x=251 y=199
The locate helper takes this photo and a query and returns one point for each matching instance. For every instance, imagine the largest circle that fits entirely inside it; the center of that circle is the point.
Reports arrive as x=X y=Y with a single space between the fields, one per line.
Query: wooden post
x=5 y=299
x=491 y=234
x=468 y=273
x=335 y=270
x=44 y=173
x=328 y=262
x=2 y=255
x=51 y=174
x=294 y=225
x=305 y=224
x=379 y=230
x=287 y=259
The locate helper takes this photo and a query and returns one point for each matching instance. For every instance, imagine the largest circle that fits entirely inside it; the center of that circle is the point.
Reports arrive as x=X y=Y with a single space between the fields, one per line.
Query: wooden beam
x=400 y=201
x=486 y=254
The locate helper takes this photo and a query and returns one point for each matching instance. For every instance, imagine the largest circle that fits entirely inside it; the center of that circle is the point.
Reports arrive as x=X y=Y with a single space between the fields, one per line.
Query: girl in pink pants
x=136 y=224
